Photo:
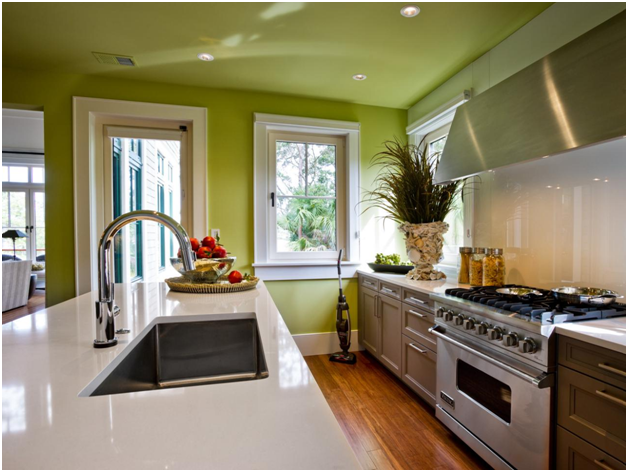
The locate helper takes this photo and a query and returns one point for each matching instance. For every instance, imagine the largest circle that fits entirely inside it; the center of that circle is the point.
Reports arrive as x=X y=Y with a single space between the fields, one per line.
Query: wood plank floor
x=388 y=425
x=37 y=302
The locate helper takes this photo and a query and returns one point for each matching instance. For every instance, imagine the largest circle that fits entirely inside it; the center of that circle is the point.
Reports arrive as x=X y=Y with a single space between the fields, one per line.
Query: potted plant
x=405 y=190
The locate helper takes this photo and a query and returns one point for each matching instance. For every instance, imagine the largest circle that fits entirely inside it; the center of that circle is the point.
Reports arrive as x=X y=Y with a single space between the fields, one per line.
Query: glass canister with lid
x=493 y=268
x=475 y=265
x=465 y=265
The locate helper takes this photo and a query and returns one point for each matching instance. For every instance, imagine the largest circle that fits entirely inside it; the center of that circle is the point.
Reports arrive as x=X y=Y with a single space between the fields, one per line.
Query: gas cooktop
x=542 y=309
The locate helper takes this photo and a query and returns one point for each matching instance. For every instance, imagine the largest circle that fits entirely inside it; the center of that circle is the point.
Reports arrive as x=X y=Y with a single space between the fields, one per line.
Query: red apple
x=235 y=277
x=219 y=252
x=195 y=244
x=209 y=242
x=203 y=253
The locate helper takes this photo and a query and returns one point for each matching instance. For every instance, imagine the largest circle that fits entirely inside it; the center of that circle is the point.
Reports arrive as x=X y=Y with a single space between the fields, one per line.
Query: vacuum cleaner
x=343 y=325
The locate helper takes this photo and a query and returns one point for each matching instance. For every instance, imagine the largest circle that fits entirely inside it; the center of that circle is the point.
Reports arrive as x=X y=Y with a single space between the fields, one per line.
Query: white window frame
x=430 y=128
x=271 y=266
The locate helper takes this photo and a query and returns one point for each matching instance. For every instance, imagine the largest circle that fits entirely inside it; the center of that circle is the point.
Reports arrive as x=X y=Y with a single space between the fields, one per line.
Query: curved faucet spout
x=105 y=308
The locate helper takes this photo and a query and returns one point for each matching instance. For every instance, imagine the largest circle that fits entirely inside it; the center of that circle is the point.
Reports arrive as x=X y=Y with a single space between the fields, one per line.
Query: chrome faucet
x=106 y=311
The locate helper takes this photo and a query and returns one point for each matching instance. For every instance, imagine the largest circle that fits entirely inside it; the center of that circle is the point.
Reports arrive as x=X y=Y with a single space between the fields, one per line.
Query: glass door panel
x=15 y=215
x=38 y=224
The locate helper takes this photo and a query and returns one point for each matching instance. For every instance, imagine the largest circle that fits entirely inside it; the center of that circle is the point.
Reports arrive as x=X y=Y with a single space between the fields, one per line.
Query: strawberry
x=203 y=253
x=235 y=277
x=195 y=244
x=209 y=242
x=219 y=252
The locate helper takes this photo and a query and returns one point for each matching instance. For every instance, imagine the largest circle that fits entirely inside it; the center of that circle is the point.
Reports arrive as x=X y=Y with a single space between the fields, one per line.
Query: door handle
x=612 y=369
x=272 y=199
x=610 y=397
x=417 y=300
x=416 y=348
x=388 y=290
x=416 y=313
x=602 y=464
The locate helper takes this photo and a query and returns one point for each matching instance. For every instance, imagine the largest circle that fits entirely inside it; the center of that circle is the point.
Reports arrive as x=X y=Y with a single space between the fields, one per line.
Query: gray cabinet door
x=572 y=453
x=389 y=312
x=419 y=369
x=369 y=321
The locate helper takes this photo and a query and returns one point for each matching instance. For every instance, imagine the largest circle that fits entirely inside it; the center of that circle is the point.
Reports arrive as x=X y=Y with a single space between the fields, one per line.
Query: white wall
x=557 y=224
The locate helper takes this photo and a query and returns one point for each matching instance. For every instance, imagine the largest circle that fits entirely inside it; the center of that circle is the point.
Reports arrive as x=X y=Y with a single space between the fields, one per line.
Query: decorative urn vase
x=424 y=246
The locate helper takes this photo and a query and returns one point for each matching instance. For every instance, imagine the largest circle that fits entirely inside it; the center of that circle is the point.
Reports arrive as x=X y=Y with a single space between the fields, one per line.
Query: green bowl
x=206 y=271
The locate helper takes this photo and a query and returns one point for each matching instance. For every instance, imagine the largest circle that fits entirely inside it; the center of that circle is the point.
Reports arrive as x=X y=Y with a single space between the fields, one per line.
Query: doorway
x=145 y=175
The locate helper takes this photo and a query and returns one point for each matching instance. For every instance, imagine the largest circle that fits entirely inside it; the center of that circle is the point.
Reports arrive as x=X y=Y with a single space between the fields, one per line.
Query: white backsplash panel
x=561 y=220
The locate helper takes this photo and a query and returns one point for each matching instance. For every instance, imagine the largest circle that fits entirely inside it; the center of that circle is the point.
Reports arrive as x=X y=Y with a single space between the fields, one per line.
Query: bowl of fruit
x=212 y=261
x=391 y=263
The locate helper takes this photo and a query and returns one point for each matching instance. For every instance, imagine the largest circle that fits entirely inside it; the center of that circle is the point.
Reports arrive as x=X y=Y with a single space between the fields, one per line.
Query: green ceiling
x=306 y=49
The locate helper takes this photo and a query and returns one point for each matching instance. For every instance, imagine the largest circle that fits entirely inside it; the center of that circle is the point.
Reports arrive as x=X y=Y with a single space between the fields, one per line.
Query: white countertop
x=609 y=333
x=425 y=286
x=281 y=422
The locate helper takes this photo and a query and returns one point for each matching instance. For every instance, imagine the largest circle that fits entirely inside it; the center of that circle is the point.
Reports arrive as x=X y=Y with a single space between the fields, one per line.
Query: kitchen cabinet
x=591 y=407
x=393 y=326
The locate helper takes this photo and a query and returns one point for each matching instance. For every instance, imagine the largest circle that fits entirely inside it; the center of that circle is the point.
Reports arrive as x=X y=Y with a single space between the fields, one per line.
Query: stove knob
x=440 y=312
x=495 y=333
x=511 y=339
x=528 y=346
x=482 y=328
x=469 y=323
x=458 y=320
x=448 y=315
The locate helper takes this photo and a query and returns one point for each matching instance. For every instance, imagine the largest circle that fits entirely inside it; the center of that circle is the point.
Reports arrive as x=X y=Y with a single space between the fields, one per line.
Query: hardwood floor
x=387 y=425
x=37 y=302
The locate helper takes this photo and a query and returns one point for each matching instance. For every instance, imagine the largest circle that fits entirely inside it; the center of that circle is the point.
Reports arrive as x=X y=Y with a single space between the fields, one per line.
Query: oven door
x=507 y=409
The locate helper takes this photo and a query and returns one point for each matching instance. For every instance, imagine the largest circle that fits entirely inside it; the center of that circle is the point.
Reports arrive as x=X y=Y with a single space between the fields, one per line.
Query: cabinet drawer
x=593 y=410
x=412 y=297
x=368 y=283
x=418 y=367
x=389 y=290
x=603 y=364
x=572 y=453
x=415 y=324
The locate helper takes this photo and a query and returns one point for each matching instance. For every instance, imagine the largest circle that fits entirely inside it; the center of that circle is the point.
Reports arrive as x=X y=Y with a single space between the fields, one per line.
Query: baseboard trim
x=315 y=344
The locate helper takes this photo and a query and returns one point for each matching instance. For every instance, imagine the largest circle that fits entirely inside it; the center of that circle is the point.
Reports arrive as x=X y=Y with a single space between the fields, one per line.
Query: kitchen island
x=280 y=422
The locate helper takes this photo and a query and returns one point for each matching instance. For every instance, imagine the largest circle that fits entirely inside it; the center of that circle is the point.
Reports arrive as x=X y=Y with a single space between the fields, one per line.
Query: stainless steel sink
x=181 y=354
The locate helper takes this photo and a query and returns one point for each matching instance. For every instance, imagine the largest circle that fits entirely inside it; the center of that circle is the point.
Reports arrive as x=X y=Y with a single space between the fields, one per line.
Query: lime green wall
x=552 y=29
x=230 y=158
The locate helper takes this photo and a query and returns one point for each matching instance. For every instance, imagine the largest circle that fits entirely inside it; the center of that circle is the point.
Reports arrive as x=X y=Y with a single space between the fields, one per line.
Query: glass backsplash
x=561 y=220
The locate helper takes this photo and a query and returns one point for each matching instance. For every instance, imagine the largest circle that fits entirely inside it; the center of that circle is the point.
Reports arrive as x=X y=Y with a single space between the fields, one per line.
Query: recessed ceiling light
x=205 y=57
x=596 y=180
x=410 y=10
x=359 y=77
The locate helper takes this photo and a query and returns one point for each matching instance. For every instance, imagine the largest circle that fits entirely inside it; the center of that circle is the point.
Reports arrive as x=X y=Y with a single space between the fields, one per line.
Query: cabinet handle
x=602 y=465
x=612 y=369
x=387 y=290
x=416 y=348
x=417 y=300
x=610 y=397
x=376 y=307
x=415 y=313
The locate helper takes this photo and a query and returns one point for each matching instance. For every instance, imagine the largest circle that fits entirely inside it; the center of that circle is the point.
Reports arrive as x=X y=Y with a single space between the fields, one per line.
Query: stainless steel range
x=495 y=370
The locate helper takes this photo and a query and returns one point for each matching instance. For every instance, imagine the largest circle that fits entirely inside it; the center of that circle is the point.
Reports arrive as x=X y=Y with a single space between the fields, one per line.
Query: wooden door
x=389 y=311
x=369 y=321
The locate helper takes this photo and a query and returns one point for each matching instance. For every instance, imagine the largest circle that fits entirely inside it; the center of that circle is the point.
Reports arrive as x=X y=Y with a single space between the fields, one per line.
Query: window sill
x=304 y=270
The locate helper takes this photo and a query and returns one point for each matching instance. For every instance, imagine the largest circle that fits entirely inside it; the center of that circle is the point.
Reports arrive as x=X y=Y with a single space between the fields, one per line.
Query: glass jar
x=475 y=266
x=493 y=268
x=464 y=265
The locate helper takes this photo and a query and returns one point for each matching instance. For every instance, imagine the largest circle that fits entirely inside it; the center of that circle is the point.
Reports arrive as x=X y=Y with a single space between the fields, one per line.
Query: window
x=135 y=229
x=170 y=173
x=454 y=237
x=160 y=163
x=306 y=216
x=307 y=194
x=19 y=174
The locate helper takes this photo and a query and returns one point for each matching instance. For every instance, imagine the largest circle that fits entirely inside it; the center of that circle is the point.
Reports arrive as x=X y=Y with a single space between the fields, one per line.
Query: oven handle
x=542 y=381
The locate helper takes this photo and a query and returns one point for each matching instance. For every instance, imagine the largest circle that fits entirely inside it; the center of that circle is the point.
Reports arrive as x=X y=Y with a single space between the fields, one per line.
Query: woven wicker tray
x=181 y=284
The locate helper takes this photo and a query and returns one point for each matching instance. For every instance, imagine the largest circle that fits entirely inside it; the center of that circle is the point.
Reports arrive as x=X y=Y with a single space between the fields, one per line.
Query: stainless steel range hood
x=573 y=97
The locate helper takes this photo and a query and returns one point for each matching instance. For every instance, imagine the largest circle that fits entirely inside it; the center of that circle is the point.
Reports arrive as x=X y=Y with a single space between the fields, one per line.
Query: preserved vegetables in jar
x=465 y=261
x=493 y=268
x=475 y=266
